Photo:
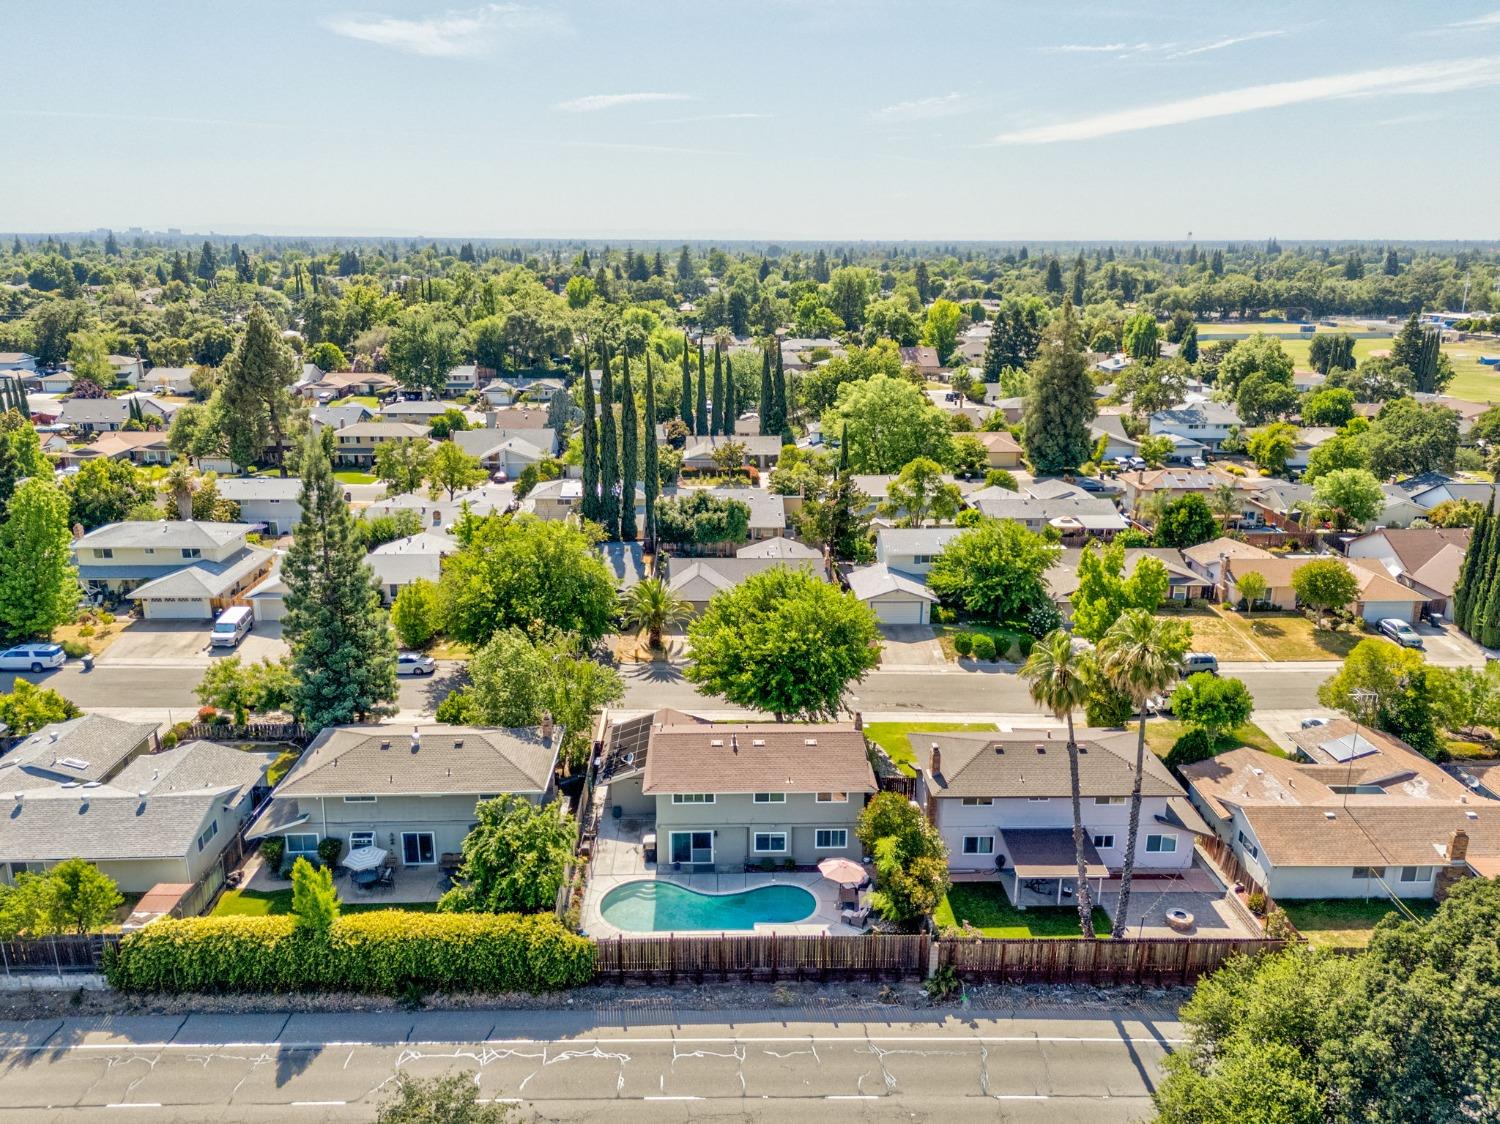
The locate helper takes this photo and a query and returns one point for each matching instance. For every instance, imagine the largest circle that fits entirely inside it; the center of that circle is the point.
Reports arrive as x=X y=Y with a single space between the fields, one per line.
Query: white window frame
x=977 y=801
x=359 y=800
x=1105 y=801
x=1104 y=841
x=1411 y=874
x=1251 y=847
x=769 y=798
x=692 y=798
x=294 y=852
x=672 y=835
x=206 y=836
x=358 y=839
x=770 y=836
x=832 y=798
x=1161 y=847
x=431 y=835
x=831 y=833
x=982 y=845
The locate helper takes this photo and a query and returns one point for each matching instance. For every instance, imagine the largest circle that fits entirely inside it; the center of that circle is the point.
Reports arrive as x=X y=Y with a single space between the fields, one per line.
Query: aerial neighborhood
x=638 y=603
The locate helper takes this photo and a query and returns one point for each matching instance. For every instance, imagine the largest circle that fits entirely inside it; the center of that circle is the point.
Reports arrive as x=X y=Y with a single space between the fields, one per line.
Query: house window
x=1369 y=872
x=208 y=833
x=1249 y=845
x=833 y=798
x=418 y=848
x=770 y=842
x=978 y=801
x=359 y=800
x=1037 y=799
x=921 y=559
x=692 y=798
x=979 y=844
x=1102 y=800
x=191 y=552
x=1416 y=873
x=301 y=844
x=770 y=798
x=104 y=553
x=691 y=846
x=1161 y=844
x=831 y=838
x=358 y=839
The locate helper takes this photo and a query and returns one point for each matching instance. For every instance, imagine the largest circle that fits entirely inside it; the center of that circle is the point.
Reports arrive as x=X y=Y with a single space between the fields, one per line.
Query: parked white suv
x=32 y=657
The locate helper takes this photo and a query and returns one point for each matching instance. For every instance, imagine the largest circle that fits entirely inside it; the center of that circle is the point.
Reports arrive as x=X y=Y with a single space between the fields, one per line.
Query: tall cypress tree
x=700 y=416
x=767 y=396
x=783 y=421
x=1468 y=575
x=589 y=506
x=687 y=384
x=716 y=419
x=731 y=405
x=609 y=452
x=651 y=464
x=343 y=657
x=1487 y=614
x=629 y=449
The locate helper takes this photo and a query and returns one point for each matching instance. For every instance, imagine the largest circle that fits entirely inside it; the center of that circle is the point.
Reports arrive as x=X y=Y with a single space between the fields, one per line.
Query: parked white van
x=231 y=626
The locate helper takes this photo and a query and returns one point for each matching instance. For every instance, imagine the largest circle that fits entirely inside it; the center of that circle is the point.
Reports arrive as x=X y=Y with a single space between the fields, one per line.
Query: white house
x=268 y=500
x=128 y=369
x=17 y=361
x=1206 y=422
x=94 y=415
x=911 y=550
x=173 y=568
x=397 y=564
x=894 y=597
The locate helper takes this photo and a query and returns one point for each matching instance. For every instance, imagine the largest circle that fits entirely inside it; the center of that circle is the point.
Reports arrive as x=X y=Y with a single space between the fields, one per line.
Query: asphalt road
x=147 y=689
x=572 y=1066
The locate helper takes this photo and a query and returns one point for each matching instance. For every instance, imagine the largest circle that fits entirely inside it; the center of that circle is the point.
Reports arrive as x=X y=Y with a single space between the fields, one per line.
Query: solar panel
x=1347 y=748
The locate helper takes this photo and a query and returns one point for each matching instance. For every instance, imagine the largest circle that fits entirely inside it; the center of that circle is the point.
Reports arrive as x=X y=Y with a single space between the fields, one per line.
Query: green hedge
x=388 y=951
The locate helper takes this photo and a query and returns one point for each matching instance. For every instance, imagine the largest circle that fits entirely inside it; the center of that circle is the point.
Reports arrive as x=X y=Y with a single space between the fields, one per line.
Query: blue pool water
x=655 y=907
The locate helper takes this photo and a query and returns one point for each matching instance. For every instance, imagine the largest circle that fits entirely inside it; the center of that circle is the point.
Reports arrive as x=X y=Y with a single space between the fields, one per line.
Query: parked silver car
x=415 y=663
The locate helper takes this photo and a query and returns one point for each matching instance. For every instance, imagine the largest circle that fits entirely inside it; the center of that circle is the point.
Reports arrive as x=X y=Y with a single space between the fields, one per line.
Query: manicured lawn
x=1278 y=637
x=891 y=737
x=348 y=476
x=358 y=400
x=1003 y=637
x=1345 y=922
x=1472 y=381
x=1212 y=632
x=448 y=650
x=1462 y=750
x=986 y=906
x=282 y=765
x=1162 y=734
x=259 y=903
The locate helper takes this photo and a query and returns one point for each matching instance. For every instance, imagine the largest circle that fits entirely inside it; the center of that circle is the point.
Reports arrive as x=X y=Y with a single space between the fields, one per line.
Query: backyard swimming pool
x=656 y=907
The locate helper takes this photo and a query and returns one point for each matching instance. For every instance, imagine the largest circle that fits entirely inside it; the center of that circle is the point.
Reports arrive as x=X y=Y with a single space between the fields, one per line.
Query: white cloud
x=453 y=34
x=1422 y=78
x=1166 y=50
x=1490 y=20
x=1220 y=44
x=1098 y=48
x=695 y=119
x=925 y=109
x=593 y=103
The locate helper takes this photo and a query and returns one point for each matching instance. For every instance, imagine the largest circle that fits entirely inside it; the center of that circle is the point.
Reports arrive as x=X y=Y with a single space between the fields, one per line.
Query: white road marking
x=134 y=1104
x=316 y=1104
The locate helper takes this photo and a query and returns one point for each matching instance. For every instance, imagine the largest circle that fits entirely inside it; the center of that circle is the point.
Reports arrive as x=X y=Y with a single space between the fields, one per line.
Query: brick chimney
x=1458 y=846
x=935 y=767
x=546 y=725
x=859 y=720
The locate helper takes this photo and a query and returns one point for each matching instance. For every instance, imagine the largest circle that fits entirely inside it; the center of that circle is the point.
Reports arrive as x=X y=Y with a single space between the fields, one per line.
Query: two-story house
x=911 y=550
x=1003 y=803
x=410 y=792
x=182 y=569
x=355 y=445
x=128 y=369
x=507 y=450
x=1206 y=422
x=271 y=501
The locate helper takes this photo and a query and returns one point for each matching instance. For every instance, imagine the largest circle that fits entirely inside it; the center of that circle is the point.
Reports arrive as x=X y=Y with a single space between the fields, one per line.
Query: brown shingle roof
x=1360 y=835
x=757 y=757
x=1035 y=763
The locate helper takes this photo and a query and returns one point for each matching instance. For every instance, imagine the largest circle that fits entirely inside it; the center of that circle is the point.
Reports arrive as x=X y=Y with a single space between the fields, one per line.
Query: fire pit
x=1180 y=920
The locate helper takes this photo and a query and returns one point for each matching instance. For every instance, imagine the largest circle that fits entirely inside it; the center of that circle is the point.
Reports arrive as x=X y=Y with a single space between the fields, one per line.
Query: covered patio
x=1042 y=869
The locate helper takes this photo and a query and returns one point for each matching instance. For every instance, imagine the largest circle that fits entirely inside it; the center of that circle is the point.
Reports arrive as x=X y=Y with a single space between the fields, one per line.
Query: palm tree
x=181 y=483
x=1224 y=502
x=1059 y=676
x=1141 y=656
x=651 y=606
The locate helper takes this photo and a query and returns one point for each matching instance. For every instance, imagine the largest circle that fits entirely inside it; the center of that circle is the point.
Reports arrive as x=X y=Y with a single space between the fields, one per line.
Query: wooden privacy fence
x=55 y=955
x=1151 y=960
x=292 y=732
x=769 y=957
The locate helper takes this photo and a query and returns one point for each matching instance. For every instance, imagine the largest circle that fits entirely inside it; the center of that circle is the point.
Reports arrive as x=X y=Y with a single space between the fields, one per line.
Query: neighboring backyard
x=892 y=737
x=986 y=906
x=1267 y=636
x=1346 y=922
x=266 y=903
x=1162 y=734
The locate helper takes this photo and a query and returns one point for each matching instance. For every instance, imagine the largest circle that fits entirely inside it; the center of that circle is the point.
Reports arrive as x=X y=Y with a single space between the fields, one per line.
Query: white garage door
x=269 y=608
x=176 y=609
x=900 y=612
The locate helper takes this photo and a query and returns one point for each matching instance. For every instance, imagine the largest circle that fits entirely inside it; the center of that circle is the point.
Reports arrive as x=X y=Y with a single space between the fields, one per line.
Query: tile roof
x=757 y=757
x=1035 y=763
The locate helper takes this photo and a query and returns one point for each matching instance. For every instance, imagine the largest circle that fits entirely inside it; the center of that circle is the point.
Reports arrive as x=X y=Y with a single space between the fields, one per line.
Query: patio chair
x=387 y=877
x=855 y=917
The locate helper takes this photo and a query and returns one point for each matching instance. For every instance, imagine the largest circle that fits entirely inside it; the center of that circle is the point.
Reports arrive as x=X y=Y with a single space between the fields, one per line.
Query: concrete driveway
x=1448 y=647
x=185 y=644
x=910 y=647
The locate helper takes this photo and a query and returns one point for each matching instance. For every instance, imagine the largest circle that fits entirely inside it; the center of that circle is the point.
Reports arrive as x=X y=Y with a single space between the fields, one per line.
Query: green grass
x=891 y=737
x=1346 y=922
x=349 y=476
x=1162 y=734
x=1462 y=750
x=261 y=903
x=358 y=400
x=1004 y=638
x=986 y=906
x=282 y=765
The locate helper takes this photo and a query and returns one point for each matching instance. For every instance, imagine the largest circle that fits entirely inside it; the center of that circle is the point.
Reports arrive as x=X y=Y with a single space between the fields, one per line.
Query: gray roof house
x=410 y=791
x=133 y=557
x=94 y=415
x=399 y=563
x=697 y=580
x=268 y=500
x=894 y=597
x=911 y=550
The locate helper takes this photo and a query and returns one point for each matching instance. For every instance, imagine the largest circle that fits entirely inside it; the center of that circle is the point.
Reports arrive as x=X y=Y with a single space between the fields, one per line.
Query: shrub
x=1108 y=707
x=457 y=709
x=86 y=630
x=984 y=646
x=1195 y=745
x=1042 y=619
x=1279 y=926
x=75 y=649
x=271 y=850
x=386 y=952
x=1026 y=642
x=329 y=849
x=942 y=614
x=206 y=713
x=963 y=644
x=1256 y=903
x=106 y=618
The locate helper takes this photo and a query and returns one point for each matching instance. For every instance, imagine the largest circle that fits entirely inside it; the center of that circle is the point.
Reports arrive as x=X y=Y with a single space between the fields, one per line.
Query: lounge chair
x=855 y=917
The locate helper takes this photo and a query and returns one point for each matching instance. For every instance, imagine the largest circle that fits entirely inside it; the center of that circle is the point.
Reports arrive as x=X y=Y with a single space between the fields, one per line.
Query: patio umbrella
x=846 y=872
x=364 y=858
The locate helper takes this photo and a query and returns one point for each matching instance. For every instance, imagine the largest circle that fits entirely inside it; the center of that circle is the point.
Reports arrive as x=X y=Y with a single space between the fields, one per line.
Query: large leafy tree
x=887 y=423
x=403 y=465
x=1153 y=386
x=1272 y=446
x=786 y=642
x=1141 y=337
x=342 y=653
x=514 y=858
x=38 y=581
x=28 y=708
x=452 y=470
x=940 y=329
x=1185 y=521
x=104 y=491
x=920 y=493
x=1388 y=686
x=1104 y=591
x=994 y=571
x=529 y=574
x=256 y=391
x=1325 y=584
x=1351 y=496
x=698 y=517
x=1060 y=404
x=1212 y=704
x=1410 y=437
x=423 y=347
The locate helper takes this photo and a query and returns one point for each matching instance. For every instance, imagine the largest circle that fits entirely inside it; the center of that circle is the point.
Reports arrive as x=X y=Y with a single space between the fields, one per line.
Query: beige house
x=356 y=445
x=1003 y=449
x=1380 y=596
x=184 y=569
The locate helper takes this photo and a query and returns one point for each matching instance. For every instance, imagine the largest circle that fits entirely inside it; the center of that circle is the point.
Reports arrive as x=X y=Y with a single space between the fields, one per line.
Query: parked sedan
x=1401 y=632
x=32 y=657
x=415 y=663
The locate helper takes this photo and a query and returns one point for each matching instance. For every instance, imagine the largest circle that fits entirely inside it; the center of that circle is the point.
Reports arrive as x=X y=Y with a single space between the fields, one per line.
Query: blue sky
x=836 y=119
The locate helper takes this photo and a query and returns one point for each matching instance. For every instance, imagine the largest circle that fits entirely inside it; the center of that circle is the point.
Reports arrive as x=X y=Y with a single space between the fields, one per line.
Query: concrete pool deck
x=619 y=857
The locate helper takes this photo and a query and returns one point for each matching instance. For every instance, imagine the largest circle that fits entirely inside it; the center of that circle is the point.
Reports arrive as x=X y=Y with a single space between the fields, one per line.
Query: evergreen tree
x=686 y=408
x=1487 y=617
x=343 y=656
x=1187 y=349
x=716 y=419
x=1471 y=570
x=39 y=583
x=651 y=464
x=1054 y=280
x=258 y=375
x=731 y=404
x=778 y=392
x=1061 y=403
x=10 y=471
x=588 y=504
x=629 y=450
x=844 y=449
x=609 y=452
x=1392 y=263
x=700 y=416
x=766 y=394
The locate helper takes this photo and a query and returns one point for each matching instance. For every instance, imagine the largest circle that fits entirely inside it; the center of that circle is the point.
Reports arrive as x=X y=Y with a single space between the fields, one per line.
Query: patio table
x=364 y=879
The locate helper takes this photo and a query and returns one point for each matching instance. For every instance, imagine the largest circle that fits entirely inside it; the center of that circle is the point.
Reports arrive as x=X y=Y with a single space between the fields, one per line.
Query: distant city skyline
x=777 y=120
